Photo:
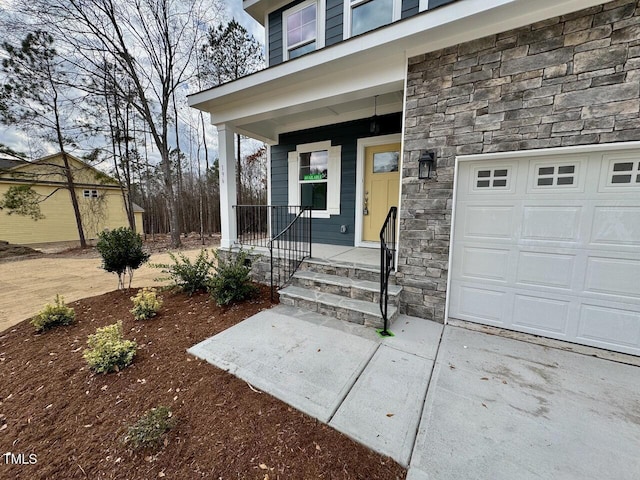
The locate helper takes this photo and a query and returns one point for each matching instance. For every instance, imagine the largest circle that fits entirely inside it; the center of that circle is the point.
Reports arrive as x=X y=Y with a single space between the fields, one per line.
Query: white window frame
x=320 y=26
x=349 y=5
x=333 y=176
x=88 y=193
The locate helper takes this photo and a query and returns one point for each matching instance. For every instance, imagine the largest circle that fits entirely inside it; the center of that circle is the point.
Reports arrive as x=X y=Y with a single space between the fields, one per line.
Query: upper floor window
x=366 y=15
x=301 y=29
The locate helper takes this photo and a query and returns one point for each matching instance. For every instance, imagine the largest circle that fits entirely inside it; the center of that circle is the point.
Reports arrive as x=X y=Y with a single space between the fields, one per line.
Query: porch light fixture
x=426 y=164
x=374 y=126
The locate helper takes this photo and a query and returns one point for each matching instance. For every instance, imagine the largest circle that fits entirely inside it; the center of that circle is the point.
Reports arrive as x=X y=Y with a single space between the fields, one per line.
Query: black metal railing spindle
x=284 y=229
x=387 y=263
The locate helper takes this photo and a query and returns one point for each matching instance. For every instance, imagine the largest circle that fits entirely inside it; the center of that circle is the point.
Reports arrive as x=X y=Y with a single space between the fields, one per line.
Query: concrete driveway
x=493 y=408
x=499 y=408
x=26 y=285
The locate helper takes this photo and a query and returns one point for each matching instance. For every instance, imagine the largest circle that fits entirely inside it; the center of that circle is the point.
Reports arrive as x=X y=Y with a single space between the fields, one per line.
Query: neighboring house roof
x=137 y=208
x=7 y=163
x=19 y=171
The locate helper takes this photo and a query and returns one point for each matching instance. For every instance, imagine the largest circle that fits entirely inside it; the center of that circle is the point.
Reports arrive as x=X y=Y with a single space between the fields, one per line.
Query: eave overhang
x=339 y=83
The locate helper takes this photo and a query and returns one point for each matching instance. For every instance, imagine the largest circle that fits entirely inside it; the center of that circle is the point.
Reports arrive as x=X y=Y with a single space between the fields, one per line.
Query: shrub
x=189 y=276
x=108 y=351
x=232 y=283
x=54 y=314
x=149 y=429
x=122 y=252
x=146 y=304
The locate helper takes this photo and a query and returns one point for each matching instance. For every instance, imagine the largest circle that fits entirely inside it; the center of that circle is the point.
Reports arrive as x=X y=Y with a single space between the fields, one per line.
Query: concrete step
x=344 y=286
x=342 y=269
x=343 y=308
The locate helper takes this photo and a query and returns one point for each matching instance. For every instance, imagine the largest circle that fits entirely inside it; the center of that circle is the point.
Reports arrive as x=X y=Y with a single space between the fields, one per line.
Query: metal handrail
x=256 y=225
x=293 y=245
x=387 y=263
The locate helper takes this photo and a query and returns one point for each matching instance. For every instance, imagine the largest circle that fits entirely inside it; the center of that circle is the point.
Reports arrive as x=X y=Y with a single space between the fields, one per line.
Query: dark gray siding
x=410 y=8
x=335 y=13
x=346 y=135
x=333 y=25
x=438 y=3
x=275 y=38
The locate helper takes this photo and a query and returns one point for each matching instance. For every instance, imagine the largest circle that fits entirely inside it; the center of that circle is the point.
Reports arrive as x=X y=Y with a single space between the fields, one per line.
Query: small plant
x=54 y=314
x=108 y=351
x=189 y=276
x=122 y=252
x=146 y=304
x=232 y=283
x=149 y=429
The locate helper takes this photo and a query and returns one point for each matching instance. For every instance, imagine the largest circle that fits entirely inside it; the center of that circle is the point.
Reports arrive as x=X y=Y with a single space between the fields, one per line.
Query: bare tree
x=229 y=53
x=36 y=96
x=151 y=42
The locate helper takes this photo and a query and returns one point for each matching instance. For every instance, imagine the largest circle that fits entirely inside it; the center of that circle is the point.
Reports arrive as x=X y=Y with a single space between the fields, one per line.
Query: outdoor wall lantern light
x=426 y=164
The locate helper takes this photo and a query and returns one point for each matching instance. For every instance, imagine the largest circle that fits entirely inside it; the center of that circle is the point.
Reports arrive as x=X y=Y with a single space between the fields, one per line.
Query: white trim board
x=362 y=143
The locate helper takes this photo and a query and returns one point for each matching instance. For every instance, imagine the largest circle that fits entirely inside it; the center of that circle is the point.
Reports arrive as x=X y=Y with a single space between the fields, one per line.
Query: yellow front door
x=381 y=187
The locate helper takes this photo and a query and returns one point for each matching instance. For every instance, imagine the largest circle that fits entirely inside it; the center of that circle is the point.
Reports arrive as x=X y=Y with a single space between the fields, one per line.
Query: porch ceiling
x=325 y=112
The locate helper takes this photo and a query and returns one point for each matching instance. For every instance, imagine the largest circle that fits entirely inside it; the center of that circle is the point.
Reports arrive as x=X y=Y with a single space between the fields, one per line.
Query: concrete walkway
x=494 y=408
x=26 y=285
x=342 y=374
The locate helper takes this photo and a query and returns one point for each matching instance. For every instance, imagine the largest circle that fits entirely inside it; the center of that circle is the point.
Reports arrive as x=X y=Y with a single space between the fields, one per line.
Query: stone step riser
x=344 y=291
x=343 y=271
x=338 y=312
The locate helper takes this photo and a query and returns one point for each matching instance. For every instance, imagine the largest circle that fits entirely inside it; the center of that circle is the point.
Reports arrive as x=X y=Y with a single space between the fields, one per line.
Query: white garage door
x=551 y=246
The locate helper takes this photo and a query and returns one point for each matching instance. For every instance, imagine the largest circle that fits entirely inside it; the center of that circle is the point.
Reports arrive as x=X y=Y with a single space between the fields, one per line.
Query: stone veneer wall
x=566 y=81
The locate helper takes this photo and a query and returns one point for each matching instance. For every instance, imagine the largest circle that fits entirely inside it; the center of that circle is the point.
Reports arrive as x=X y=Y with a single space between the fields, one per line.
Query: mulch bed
x=52 y=406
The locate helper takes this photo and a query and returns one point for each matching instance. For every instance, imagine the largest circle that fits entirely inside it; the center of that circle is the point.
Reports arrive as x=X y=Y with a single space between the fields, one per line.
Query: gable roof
x=21 y=167
x=7 y=163
x=137 y=208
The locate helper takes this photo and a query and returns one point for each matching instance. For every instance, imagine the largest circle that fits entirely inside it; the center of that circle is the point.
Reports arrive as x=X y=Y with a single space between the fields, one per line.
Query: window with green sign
x=314 y=168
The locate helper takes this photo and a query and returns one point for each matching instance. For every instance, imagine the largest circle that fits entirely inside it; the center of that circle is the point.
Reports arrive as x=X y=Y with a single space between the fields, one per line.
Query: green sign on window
x=313 y=176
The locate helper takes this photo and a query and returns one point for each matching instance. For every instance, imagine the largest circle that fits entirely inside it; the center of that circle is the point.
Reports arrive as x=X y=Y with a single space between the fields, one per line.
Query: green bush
x=54 y=314
x=231 y=282
x=149 y=429
x=146 y=304
x=108 y=351
x=189 y=276
x=122 y=252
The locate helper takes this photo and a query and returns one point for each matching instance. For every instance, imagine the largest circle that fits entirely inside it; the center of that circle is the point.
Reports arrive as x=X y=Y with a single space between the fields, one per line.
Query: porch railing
x=387 y=263
x=283 y=229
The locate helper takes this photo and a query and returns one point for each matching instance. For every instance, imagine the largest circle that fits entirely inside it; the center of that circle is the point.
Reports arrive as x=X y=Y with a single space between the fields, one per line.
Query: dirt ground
x=25 y=286
x=27 y=283
x=69 y=423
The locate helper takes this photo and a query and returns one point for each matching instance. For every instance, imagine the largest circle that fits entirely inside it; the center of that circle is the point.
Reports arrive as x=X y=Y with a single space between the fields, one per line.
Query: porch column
x=227 y=175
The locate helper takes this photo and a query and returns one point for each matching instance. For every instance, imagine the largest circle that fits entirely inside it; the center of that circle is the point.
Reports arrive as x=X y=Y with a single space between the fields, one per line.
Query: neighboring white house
x=524 y=116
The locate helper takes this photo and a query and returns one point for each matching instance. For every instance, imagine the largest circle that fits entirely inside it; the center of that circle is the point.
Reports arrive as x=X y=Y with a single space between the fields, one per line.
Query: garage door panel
x=481 y=304
x=485 y=263
x=610 y=327
x=489 y=221
x=553 y=223
x=613 y=276
x=616 y=226
x=541 y=315
x=545 y=269
x=554 y=250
